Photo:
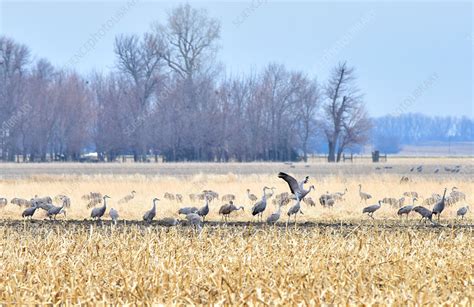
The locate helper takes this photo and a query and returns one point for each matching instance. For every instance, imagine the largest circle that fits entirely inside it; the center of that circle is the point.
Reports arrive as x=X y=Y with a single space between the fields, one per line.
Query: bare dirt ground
x=347 y=226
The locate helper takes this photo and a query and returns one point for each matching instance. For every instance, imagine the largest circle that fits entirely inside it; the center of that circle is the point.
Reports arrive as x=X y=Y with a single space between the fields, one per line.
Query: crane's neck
x=444 y=194
x=105 y=202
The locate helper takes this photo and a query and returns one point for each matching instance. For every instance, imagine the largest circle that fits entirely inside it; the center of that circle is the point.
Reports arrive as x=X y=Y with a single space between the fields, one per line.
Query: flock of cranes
x=297 y=193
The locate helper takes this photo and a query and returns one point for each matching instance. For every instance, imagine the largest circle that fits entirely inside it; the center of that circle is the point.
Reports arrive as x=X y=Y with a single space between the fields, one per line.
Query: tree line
x=391 y=132
x=168 y=96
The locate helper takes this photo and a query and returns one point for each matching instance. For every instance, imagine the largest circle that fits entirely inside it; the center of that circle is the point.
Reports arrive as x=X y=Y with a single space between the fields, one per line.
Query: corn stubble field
x=331 y=256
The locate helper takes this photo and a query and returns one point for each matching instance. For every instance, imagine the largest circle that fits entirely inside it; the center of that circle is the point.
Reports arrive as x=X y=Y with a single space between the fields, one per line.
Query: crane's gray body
x=204 y=211
x=150 y=214
x=187 y=210
x=97 y=213
x=114 y=215
x=424 y=212
x=439 y=206
x=371 y=209
x=28 y=212
x=462 y=211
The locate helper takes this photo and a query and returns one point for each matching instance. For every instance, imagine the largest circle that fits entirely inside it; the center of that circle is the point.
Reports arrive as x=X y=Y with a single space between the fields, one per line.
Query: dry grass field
x=331 y=256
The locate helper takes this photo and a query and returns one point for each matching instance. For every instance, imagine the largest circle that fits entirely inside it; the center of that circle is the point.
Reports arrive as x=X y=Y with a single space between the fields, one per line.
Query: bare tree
x=346 y=122
x=14 y=60
x=140 y=62
x=309 y=100
x=190 y=37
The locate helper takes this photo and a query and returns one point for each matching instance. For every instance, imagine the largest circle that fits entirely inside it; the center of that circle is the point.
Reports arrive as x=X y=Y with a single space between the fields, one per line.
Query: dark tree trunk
x=332 y=151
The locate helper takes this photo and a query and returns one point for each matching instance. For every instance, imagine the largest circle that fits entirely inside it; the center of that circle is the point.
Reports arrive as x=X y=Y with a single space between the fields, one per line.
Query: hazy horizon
x=409 y=57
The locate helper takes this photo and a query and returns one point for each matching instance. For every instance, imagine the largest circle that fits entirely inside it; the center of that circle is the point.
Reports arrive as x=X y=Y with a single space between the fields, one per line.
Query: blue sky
x=409 y=56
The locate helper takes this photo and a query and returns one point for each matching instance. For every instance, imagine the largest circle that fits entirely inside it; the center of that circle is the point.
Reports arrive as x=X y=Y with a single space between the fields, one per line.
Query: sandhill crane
x=282 y=199
x=326 y=200
x=228 y=197
x=64 y=199
x=179 y=198
x=150 y=214
x=93 y=200
x=168 y=221
x=363 y=196
x=97 y=213
x=45 y=203
x=92 y=195
x=424 y=212
x=462 y=211
x=187 y=210
x=169 y=196
x=3 y=202
x=457 y=195
x=339 y=195
x=411 y=194
x=391 y=201
x=295 y=209
x=259 y=207
x=252 y=197
x=309 y=201
x=227 y=209
x=28 y=212
x=295 y=187
x=210 y=195
x=114 y=215
x=371 y=209
x=404 y=179
x=194 y=219
x=406 y=209
x=433 y=199
x=21 y=202
x=53 y=211
x=439 y=206
x=275 y=216
x=204 y=211
x=127 y=198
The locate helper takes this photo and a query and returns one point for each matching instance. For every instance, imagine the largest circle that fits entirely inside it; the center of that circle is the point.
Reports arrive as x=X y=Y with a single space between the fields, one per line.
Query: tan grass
x=378 y=185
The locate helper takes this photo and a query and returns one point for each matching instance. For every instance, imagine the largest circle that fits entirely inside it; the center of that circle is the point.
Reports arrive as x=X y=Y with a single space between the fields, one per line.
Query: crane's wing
x=255 y=207
x=292 y=183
